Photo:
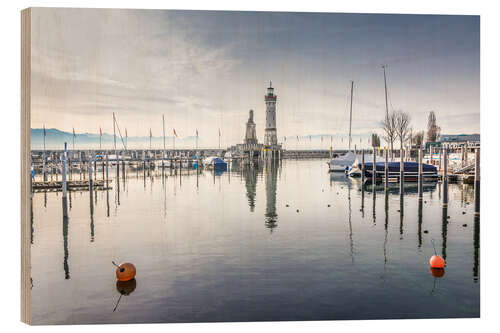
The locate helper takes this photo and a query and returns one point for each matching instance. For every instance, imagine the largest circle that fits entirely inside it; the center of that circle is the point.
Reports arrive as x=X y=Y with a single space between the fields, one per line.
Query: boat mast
x=385 y=85
x=350 y=116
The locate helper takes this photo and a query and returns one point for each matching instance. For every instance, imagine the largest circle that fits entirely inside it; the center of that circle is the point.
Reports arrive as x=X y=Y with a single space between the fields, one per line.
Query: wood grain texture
x=25 y=164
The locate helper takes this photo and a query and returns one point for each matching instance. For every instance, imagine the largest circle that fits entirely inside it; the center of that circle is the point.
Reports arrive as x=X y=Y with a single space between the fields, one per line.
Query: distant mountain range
x=54 y=139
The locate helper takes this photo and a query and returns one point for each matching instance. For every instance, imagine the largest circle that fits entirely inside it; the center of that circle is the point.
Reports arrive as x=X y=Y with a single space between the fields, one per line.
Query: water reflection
x=271 y=179
x=475 y=268
x=161 y=246
x=420 y=207
x=124 y=288
x=401 y=214
x=250 y=176
x=92 y=219
x=65 y=244
x=444 y=230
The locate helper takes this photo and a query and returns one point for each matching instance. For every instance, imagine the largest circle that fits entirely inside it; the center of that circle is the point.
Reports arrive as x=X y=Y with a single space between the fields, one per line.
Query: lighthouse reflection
x=271 y=179
x=251 y=175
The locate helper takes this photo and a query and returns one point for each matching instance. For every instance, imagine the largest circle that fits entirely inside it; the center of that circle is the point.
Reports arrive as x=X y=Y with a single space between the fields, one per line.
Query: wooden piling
x=363 y=166
x=431 y=153
x=445 y=179
x=64 y=185
x=107 y=167
x=420 y=175
x=440 y=153
x=402 y=172
x=44 y=170
x=386 y=170
x=90 y=176
x=117 y=160
x=462 y=151
x=477 y=183
x=374 y=169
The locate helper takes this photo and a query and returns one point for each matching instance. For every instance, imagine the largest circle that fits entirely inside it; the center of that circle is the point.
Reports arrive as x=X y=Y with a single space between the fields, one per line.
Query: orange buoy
x=437 y=262
x=125 y=272
x=437 y=272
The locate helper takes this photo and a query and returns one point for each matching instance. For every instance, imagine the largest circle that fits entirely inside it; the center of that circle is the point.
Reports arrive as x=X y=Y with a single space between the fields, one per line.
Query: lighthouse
x=270 y=136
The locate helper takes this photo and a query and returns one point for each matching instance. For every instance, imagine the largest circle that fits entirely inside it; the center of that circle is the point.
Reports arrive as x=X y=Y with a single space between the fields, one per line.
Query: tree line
x=397 y=127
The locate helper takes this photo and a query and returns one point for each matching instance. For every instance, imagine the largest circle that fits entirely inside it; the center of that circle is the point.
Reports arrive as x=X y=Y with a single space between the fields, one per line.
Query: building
x=250 y=145
x=250 y=134
x=270 y=136
x=271 y=147
x=457 y=140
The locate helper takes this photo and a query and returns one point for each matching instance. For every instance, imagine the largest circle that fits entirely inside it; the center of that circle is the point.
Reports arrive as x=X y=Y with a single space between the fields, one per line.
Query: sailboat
x=342 y=162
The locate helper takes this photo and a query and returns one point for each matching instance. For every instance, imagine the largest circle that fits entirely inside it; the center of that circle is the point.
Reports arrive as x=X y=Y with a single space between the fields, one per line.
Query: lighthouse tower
x=270 y=136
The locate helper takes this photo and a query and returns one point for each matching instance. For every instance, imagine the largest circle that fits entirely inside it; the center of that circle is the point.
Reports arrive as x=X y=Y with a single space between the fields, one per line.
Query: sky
x=206 y=69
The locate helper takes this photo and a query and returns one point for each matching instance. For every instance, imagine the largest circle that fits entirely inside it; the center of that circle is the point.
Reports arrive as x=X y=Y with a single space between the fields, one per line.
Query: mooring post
x=374 y=169
x=431 y=154
x=440 y=153
x=80 y=164
x=386 y=170
x=420 y=175
x=107 y=166
x=477 y=183
x=445 y=178
x=462 y=151
x=466 y=153
x=123 y=168
x=117 y=160
x=64 y=185
x=95 y=165
x=402 y=172
x=44 y=171
x=90 y=174
x=56 y=167
x=363 y=166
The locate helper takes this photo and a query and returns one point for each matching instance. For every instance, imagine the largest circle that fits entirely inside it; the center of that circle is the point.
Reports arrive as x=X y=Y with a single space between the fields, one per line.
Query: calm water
x=226 y=247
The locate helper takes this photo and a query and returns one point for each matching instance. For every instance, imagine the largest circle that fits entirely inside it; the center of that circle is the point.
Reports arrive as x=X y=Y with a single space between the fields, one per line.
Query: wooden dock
x=74 y=185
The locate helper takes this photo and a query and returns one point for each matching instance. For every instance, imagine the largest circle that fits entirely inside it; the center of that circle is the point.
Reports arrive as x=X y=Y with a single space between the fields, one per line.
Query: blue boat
x=217 y=163
x=410 y=171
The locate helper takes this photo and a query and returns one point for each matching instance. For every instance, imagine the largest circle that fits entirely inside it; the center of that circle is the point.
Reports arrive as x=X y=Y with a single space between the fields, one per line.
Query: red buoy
x=437 y=262
x=125 y=271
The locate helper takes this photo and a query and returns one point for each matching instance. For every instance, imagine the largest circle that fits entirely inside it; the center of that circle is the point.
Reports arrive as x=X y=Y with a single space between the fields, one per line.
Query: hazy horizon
x=205 y=70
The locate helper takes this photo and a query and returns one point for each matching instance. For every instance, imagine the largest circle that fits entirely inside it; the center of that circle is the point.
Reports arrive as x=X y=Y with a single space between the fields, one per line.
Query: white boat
x=340 y=163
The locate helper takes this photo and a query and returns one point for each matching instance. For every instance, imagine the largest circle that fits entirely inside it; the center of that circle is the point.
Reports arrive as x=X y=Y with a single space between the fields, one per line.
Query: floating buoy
x=437 y=272
x=125 y=271
x=436 y=261
x=426 y=231
x=287 y=205
x=328 y=205
x=464 y=225
x=297 y=210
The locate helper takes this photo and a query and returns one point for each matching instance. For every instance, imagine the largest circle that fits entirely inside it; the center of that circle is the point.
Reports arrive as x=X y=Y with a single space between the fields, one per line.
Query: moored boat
x=410 y=171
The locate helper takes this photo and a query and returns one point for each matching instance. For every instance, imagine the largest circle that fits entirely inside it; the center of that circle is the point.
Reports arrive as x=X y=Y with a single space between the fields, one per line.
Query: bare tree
x=389 y=127
x=403 y=129
x=433 y=130
x=418 y=138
